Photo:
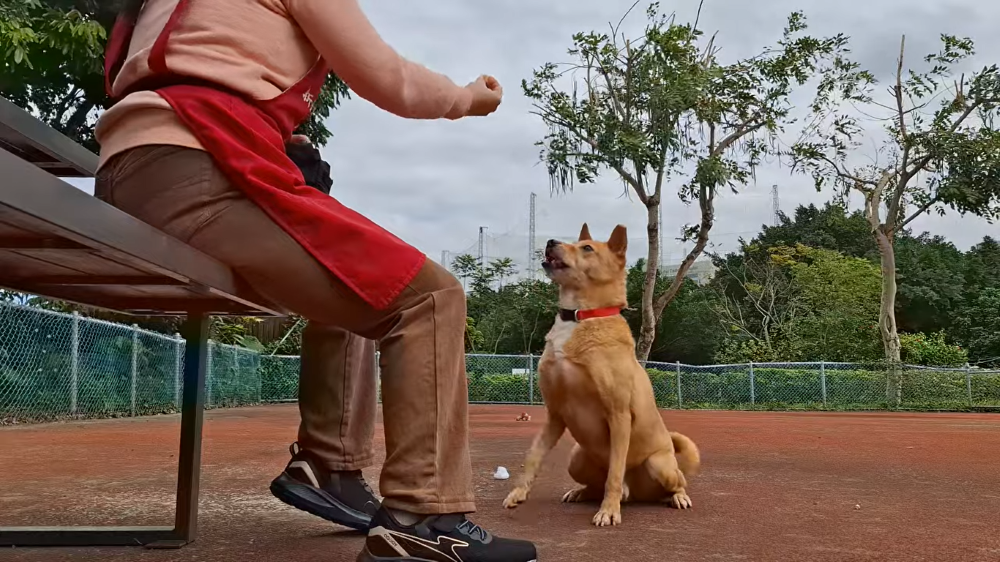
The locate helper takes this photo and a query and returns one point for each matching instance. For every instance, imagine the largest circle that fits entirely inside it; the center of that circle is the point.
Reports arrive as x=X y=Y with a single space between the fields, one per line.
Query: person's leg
x=323 y=476
x=338 y=404
x=420 y=335
x=338 y=396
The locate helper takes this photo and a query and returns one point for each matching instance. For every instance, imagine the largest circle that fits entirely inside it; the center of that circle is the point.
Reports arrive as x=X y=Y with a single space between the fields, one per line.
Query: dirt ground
x=775 y=486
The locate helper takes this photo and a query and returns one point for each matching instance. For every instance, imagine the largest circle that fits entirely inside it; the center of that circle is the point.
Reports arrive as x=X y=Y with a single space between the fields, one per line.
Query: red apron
x=246 y=139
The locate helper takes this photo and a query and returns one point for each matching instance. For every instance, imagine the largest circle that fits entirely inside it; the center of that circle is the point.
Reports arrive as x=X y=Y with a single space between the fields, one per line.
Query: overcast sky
x=435 y=183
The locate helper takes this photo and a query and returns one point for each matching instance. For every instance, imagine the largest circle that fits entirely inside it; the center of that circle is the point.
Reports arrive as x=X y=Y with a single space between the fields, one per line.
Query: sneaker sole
x=366 y=556
x=318 y=502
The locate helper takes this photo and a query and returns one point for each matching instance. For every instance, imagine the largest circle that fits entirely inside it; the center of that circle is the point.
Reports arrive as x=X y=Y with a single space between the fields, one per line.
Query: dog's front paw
x=608 y=515
x=680 y=500
x=515 y=497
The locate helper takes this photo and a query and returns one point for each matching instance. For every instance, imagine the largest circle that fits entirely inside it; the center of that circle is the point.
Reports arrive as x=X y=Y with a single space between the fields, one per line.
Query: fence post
x=753 y=398
x=178 y=369
x=531 y=379
x=822 y=380
x=260 y=377
x=208 y=375
x=135 y=364
x=74 y=364
x=680 y=401
x=968 y=382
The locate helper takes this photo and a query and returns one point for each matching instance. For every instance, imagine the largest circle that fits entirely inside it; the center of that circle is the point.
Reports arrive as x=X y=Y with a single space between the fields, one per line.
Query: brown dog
x=593 y=386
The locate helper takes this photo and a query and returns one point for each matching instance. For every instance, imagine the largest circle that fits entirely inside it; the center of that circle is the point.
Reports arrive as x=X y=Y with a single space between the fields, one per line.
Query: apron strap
x=158 y=54
x=118 y=43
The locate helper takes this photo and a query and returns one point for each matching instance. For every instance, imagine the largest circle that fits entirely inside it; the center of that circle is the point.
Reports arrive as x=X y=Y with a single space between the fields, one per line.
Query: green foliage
x=956 y=147
x=800 y=304
x=512 y=319
x=931 y=283
x=688 y=331
x=830 y=227
x=921 y=349
x=979 y=326
x=53 y=57
x=474 y=339
x=334 y=92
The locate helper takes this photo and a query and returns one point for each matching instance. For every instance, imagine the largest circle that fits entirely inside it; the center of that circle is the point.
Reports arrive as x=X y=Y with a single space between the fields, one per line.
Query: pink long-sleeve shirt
x=261 y=48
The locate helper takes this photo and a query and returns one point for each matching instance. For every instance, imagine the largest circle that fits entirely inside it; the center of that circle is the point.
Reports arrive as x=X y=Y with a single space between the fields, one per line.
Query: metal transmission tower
x=482 y=247
x=775 y=208
x=531 y=239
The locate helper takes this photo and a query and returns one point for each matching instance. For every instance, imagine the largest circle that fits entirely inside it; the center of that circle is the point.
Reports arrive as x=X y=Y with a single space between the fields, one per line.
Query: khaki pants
x=420 y=335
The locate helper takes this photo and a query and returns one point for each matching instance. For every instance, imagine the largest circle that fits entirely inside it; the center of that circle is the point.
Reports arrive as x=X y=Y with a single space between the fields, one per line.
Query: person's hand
x=486 y=96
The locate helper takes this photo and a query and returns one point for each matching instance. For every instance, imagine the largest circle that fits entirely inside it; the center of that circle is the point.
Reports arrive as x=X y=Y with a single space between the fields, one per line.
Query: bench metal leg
x=188 y=475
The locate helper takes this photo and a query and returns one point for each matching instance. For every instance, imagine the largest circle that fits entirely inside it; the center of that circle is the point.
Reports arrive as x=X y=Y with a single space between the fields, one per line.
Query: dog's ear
x=618 y=243
x=585 y=233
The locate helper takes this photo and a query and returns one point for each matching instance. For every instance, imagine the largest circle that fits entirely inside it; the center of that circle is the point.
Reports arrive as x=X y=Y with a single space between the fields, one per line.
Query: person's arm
x=356 y=53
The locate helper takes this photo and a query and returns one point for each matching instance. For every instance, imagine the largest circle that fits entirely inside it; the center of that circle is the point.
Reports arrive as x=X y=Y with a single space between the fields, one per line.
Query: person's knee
x=435 y=279
x=445 y=287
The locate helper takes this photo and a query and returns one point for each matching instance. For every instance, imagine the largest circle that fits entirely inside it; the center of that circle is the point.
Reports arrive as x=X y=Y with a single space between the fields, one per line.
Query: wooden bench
x=57 y=241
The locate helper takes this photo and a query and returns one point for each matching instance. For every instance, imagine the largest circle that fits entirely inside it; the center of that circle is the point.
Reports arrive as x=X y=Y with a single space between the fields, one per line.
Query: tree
x=53 y=53
x=837 y=300
x=502 y=268
x=933 y=159
x=979 y=326
x=655 y=106
x=756 y=303
x=465 y=267
x=931 y=280
x=982 y=268
x=830 y=227
x=687 y=330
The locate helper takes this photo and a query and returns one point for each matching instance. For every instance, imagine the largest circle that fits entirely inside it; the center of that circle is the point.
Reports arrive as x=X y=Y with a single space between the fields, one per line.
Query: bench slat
x=33 y=141
x=34 y=201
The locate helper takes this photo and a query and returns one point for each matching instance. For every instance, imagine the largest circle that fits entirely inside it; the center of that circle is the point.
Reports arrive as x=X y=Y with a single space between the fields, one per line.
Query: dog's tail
x=688 y=457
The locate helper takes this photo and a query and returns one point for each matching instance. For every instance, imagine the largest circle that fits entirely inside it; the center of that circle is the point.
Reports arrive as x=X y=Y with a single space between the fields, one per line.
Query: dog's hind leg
x=662 y=466
x=590 y=474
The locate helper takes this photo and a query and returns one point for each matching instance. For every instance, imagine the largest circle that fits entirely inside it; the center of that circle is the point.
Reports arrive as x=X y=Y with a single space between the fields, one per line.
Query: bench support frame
x=185 y=527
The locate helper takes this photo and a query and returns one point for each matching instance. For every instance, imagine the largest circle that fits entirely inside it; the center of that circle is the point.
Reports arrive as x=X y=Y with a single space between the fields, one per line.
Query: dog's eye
x=588 y=248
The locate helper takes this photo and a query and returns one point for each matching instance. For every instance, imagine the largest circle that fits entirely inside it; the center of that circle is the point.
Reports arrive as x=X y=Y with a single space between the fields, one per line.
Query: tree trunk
x=647 y=331
x=887 y=319
x=657 y=305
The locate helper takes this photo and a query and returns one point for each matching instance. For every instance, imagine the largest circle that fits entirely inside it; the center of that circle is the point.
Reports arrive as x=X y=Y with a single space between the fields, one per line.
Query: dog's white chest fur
x=560 y=333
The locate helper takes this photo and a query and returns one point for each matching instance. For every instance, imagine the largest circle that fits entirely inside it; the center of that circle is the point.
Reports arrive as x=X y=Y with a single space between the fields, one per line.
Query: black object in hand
x=314 y=169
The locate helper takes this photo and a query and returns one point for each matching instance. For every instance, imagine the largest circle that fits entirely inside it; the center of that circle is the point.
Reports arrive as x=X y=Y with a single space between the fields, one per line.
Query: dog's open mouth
x=552 y=262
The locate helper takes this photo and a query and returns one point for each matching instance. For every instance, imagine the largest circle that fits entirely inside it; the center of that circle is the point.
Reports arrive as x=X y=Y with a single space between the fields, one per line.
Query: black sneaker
x=341 y=497
x=439 y=538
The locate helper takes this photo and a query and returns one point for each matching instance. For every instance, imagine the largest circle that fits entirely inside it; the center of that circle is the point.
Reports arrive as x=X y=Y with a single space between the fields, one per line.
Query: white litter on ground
x=501 y=473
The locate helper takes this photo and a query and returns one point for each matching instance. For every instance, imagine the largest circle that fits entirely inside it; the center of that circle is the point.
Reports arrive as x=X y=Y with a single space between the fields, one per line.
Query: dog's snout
x=552 y=244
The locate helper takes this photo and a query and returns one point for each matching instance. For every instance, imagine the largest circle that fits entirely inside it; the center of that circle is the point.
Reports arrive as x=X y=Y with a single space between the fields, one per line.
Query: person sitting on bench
x=207 y=93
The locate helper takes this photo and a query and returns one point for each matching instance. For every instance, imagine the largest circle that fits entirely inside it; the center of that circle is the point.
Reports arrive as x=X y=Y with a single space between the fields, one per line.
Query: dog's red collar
x=568 y=315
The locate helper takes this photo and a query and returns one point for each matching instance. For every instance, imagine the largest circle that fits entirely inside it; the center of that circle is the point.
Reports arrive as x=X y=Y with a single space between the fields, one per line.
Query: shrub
x=933 y=350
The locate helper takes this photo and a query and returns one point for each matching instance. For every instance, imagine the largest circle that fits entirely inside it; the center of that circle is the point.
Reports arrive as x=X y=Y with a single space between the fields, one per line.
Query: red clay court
x=775 y=486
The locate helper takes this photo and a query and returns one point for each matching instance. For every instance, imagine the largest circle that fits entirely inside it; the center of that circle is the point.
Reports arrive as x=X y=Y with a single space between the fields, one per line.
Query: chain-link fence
x=55 y=365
